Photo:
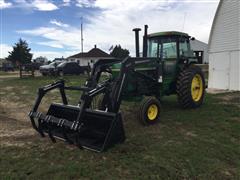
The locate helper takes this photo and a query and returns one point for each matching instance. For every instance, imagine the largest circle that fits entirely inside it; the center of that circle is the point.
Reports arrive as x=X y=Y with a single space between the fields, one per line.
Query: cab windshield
x=165 y=48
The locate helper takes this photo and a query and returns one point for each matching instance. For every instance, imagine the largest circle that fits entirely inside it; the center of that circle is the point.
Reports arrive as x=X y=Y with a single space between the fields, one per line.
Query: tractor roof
x=168 y=33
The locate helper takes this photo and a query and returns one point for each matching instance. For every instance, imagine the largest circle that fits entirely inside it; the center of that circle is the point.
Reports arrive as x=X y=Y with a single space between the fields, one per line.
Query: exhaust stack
x=136 y=30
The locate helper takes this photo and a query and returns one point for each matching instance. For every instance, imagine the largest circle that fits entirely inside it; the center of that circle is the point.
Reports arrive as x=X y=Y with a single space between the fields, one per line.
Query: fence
x=26 y=70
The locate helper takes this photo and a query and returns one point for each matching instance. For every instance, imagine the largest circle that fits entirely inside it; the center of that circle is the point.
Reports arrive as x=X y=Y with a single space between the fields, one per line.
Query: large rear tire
x=149 y=111
x=191 y=87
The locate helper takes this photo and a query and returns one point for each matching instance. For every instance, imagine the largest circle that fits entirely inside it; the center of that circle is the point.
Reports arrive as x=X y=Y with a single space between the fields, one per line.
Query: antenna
x=82 y=34
x=185 y=14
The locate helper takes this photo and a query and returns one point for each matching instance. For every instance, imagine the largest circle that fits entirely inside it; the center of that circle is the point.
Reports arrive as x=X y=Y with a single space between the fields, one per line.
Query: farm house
x=89 y=57
x=224 y=47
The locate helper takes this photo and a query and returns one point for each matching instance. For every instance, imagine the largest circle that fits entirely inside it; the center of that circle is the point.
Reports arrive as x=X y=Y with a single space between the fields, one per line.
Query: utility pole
x=81 y=34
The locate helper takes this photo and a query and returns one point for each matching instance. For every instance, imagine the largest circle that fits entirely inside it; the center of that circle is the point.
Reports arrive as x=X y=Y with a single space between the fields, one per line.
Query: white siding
x=234 y=72
x=224 y=47
x=226 y=27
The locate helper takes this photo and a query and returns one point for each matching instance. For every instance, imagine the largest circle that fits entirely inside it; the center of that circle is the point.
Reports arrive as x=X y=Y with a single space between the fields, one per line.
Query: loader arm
x=89 y=128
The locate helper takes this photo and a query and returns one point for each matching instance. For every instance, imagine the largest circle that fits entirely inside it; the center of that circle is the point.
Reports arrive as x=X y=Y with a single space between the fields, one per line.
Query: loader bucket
x=99 y=130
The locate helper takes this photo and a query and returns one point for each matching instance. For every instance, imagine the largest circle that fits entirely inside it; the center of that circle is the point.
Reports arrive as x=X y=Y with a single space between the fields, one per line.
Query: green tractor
x=167 y=66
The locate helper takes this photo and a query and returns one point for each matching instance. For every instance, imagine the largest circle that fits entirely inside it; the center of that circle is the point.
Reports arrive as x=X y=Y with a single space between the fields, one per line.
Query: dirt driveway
x=15 y=133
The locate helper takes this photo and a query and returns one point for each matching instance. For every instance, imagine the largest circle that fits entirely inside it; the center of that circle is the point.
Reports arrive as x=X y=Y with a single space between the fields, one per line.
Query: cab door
x=154 y=51
x=169 y=59
x=169 y=56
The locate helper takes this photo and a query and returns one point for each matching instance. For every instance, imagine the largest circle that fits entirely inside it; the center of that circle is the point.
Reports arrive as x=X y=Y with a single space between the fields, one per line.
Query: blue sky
x=52 y=27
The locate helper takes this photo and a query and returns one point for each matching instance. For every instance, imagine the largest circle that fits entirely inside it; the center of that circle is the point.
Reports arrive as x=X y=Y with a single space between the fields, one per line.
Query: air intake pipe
x=145 y=41
x=136 y=30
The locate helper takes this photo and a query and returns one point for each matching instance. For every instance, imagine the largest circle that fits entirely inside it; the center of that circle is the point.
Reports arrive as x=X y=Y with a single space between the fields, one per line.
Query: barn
x=224 y=47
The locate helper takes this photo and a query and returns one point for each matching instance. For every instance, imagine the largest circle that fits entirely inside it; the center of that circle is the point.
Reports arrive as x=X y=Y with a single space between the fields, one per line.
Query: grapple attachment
x=96 y=130
x=82 y=125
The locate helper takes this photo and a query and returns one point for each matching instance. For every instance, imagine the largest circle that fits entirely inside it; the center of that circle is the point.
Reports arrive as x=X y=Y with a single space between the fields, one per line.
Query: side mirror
x=192 y=38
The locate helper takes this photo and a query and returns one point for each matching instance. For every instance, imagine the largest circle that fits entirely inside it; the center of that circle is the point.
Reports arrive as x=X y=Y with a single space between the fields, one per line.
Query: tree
x=118 y=52
x=20 y=53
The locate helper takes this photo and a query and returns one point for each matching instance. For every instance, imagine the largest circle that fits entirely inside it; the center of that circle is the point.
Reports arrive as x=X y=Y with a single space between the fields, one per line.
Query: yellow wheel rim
x=197 y=88
x=152 y=112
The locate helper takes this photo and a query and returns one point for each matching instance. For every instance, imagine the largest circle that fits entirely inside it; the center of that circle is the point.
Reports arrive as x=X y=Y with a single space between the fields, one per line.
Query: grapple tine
x=50 y=128
x=61 y=125
x=66 y=137
x=32 y=114
x=78 y=142
x=51 y=135
x=40 y=128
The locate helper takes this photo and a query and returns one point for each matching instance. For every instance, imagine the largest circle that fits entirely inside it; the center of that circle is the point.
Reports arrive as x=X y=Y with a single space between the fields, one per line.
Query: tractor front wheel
x=191 y=87
x=149 y=111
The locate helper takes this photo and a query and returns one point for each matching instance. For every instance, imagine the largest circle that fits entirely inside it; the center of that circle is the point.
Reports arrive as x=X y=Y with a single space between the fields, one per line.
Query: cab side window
x=184 y=48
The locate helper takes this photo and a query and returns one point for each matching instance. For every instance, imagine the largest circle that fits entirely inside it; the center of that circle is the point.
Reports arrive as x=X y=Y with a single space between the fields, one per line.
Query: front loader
x=166 y=67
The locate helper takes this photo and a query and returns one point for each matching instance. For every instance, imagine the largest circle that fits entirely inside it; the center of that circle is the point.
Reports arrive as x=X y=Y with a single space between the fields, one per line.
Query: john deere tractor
x=167 y=66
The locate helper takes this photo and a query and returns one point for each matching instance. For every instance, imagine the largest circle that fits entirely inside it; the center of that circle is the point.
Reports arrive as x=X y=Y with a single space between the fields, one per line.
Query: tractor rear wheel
x=149 y=110
x=191 y=87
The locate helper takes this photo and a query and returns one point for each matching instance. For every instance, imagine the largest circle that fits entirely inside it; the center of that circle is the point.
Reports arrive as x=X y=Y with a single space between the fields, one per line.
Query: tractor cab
x=174 y=52
x=173 y=49
x=169 y=45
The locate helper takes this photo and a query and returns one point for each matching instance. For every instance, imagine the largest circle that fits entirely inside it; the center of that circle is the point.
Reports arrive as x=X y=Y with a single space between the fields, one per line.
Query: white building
x=41 y=60
x=201 y=50
x=89 y=57
x=224 y=47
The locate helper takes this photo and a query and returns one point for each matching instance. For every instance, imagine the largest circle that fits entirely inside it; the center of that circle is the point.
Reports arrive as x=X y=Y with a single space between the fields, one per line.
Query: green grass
x=8 y=72
x=3 y=73
x=25 y=90
x=202 y=143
